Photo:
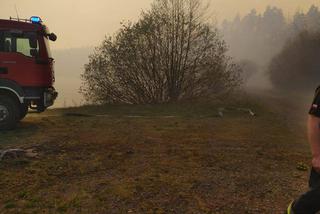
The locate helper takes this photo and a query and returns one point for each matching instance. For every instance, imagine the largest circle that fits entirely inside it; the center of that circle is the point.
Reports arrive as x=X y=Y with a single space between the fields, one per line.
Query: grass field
x=157 y=159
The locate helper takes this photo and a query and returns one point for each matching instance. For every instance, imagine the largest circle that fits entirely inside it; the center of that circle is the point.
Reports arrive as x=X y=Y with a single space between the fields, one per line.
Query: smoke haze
x=82 y=25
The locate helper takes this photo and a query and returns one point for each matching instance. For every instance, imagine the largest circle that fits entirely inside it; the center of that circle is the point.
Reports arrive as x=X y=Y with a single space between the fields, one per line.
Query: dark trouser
x=309 y=203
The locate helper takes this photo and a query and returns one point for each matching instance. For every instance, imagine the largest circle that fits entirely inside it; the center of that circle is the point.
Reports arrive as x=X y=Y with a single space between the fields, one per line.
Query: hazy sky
x=81 y=23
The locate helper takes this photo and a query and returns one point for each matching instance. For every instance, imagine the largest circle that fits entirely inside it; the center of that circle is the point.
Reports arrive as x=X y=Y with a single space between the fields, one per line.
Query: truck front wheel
x=9 y=113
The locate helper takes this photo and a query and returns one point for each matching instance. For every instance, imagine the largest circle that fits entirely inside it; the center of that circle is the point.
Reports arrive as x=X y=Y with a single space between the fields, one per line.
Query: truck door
x=18 y=54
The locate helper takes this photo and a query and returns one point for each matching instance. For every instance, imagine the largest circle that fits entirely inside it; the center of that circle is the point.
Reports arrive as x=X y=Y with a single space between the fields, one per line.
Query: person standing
x=309 y=202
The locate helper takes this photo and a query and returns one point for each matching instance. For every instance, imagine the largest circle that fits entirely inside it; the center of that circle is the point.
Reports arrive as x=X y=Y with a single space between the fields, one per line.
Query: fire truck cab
x=26 y=69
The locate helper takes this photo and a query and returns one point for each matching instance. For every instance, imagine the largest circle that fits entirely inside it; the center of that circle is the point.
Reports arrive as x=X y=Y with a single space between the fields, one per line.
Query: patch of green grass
x=22 y=194
x=184 y=109
x=10 y=205
x=62 y=209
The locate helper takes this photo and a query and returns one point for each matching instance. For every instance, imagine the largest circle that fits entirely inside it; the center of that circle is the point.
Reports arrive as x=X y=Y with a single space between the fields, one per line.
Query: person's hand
x=316 y=163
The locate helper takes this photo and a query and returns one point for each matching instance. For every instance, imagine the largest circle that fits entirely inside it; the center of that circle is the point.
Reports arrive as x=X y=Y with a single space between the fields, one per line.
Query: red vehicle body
x=26 y=69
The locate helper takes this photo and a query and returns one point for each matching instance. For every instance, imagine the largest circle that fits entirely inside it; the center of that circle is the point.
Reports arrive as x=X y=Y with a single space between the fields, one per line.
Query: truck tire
x=23 y=111
x=9 y=113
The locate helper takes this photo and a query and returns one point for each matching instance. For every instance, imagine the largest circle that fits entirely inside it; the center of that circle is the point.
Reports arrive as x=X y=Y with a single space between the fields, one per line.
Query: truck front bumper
x=39 y=98
x=49 y=96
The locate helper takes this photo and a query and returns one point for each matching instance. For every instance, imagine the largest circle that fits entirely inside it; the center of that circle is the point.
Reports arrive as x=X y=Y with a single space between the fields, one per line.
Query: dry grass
x=194 y=162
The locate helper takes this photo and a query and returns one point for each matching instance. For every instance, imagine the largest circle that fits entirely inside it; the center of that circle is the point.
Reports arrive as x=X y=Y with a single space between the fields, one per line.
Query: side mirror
x=33 y=42
x=34 y=53
x=52 y=37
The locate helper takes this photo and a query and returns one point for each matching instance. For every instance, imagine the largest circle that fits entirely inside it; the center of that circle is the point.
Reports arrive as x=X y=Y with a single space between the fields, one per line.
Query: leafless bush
x=172 y=53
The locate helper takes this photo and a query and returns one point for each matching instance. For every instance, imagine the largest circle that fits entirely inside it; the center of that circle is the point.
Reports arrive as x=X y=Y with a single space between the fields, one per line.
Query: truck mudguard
x=12 y=87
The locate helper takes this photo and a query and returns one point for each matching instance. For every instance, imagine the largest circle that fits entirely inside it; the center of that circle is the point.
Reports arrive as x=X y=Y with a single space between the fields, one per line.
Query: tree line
x=259 y=36
x=287 y=48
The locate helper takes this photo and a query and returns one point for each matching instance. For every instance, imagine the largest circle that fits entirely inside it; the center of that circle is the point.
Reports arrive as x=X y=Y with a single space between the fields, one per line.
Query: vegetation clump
x=297 y=66
x=172 y=53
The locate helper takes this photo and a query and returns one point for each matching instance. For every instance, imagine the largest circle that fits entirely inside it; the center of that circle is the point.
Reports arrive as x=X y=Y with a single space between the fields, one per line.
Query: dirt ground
x=157 y=159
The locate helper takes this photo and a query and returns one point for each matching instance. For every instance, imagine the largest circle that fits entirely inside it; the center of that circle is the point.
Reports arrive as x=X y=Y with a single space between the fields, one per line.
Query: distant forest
x=258 y=37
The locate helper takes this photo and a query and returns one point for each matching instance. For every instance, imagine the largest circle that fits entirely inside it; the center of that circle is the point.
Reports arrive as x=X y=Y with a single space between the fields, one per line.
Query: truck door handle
x=3 y=70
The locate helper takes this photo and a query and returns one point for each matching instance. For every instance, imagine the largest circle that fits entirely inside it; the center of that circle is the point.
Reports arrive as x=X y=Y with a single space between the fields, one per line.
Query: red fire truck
x=26 y=69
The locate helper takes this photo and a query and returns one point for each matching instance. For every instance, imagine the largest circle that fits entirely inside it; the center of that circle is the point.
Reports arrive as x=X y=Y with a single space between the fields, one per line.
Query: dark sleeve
x=315 y=107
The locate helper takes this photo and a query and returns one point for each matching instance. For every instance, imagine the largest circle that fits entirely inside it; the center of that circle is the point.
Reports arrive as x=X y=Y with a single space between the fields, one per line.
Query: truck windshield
x=25 y=43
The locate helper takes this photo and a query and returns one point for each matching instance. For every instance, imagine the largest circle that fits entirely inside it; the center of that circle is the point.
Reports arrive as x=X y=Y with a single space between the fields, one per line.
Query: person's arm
x=314 y=130
x=314 y=140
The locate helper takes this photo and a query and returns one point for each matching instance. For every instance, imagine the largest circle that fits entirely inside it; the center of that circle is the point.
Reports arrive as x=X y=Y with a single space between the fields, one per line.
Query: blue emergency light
x=35 y=19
